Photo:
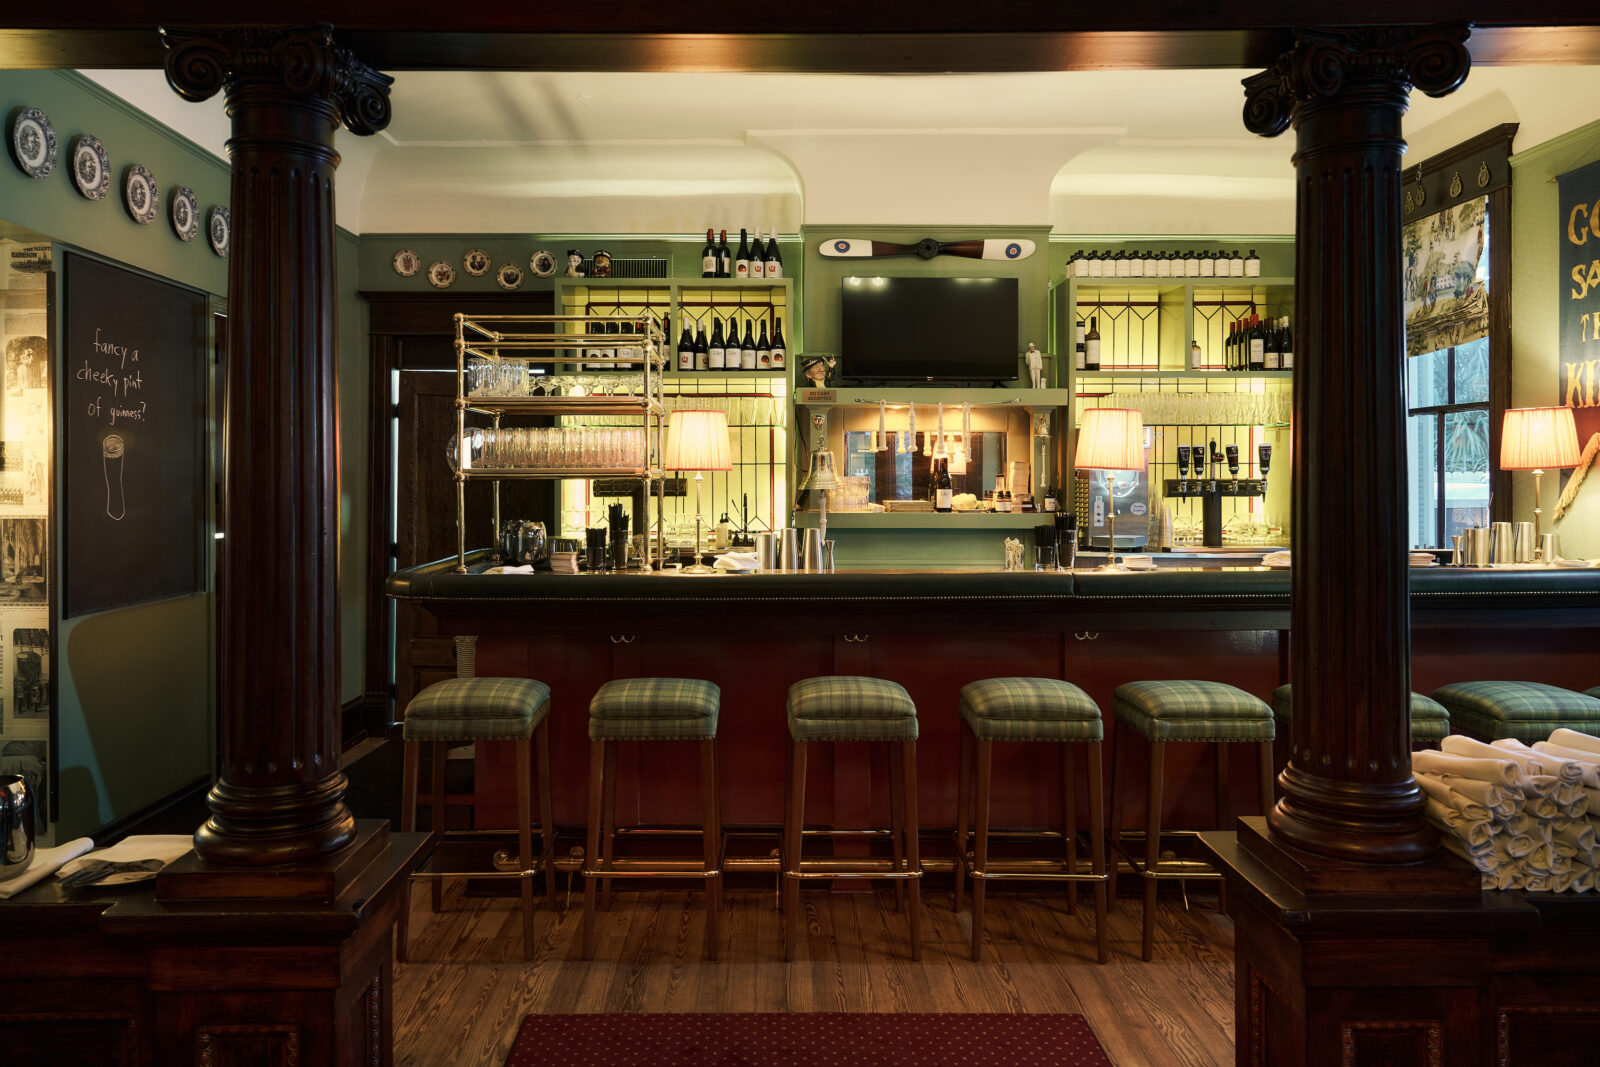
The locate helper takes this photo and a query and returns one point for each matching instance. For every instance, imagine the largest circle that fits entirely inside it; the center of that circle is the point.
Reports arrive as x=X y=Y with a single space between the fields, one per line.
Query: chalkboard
x=134 y=361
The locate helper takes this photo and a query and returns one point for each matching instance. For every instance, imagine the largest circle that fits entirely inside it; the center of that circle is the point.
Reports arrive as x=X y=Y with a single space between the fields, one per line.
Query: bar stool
x=1168 y=711
x=650 y=709
x=1430 y=720
x=1527 y=711
x=1023 y=710
x=462 y=710
x=851 y=708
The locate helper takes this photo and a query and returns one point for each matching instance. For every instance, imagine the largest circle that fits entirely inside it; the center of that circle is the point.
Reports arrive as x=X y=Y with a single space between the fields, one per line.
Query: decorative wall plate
x=32 y=141
x=407 y=263
x=476 y=262
x=219 y=229
x=139 y=194
x=184 y=211
x=442 y=275
x=91 y=170
x=509 y=276
x=543 y=264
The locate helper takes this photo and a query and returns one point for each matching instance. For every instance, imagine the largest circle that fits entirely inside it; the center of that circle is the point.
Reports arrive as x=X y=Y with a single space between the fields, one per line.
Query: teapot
x=523 y=541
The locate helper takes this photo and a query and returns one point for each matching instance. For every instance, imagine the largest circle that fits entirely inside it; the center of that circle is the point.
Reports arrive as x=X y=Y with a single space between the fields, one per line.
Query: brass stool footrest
x=466 y=854
x=1165 y=868
x=852 y=867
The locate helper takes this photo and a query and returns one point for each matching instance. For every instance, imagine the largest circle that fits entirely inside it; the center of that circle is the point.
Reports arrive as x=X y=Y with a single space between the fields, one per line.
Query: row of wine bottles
x=1253 y=345
x=752 y=259
x=1204 y=264
x=726 y=350
x=629 y=342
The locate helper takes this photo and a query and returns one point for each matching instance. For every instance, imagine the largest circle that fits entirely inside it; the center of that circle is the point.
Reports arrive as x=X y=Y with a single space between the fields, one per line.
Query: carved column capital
x=1323 y=62
x=302 y=61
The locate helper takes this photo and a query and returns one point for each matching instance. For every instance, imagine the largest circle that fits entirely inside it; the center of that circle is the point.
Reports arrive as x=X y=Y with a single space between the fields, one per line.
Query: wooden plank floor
x=460 y=999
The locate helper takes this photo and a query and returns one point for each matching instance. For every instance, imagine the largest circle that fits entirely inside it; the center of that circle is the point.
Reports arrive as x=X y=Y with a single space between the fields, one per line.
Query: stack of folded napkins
x=1521 y=816
x=1138 y=562
x=1422 y=559
x=908 y=505
x=526 y=568
x=736 y=561
x=563 y=563
x=1280 y=558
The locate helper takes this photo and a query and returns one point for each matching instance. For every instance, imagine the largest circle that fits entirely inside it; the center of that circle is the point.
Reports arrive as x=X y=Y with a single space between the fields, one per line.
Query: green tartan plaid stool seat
x=1163 y=712
x=472 y=710
x=650 y=709
x=1028 y=710
x=852 y=708
x=1527 y=711
x=1595 y=692
x=1430 y=720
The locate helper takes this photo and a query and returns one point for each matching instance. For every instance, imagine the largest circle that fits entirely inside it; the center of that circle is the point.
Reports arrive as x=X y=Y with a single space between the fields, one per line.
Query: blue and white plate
x=32 y=142
x=91 y=169
x=219 y=229
x=140 y=195
x=184 y=211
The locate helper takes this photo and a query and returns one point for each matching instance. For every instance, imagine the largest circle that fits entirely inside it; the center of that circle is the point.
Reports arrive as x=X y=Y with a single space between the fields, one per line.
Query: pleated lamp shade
x=697 y=441
x=1110 y=439
x=1538 y=439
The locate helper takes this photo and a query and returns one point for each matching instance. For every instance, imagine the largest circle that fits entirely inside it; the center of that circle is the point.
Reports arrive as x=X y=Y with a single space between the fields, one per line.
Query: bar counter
x=934 y=631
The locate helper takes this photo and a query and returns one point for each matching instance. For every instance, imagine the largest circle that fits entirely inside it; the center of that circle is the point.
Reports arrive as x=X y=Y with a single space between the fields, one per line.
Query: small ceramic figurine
x=574 y=263
x=819 y=369
x=1013 y=554
x=1035 y=366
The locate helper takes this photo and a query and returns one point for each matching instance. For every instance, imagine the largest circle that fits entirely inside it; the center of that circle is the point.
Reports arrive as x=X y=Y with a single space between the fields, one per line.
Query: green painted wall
x=1536 y=287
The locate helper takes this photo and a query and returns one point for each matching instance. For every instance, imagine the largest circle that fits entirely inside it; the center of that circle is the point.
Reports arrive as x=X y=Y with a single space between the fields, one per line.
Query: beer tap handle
x=1183 y=470
x=1264 y=455
x=1233 y=465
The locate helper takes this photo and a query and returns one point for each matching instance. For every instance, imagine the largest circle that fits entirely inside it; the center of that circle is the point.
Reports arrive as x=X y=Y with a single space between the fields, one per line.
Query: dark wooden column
x=1348 y=790
x=280 y=794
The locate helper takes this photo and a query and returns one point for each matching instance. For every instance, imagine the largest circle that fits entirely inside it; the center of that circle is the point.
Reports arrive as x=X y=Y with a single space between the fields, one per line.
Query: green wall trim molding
x=1581 y=142
x=94 y=88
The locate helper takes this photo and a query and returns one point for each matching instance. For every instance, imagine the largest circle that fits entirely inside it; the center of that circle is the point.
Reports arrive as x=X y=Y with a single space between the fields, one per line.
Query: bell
x=822 y=474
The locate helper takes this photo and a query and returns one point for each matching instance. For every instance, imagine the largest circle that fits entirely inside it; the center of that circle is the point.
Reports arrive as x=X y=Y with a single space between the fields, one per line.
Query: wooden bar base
x=324 y=878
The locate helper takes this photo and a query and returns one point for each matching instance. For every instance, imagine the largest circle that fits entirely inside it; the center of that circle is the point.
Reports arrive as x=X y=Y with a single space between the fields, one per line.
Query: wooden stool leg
x=913 y=849
x=439 y=750
x=597 y=787
x=1220 y=812
x=1268 y=776
x=784 y=854
x=530 y=864
x=547 y=817
x=963 y=806
x=711 y=842
x=1152 y=847
x=796 y=814
x=980 y=848
x=1069 y=824
x=1119 y=757
x=1097 y=845
x=897 y=785
x=408 y=824
x=608 y=822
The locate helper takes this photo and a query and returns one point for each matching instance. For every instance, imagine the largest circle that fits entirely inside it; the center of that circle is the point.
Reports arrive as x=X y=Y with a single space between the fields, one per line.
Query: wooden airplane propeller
x=927 y=248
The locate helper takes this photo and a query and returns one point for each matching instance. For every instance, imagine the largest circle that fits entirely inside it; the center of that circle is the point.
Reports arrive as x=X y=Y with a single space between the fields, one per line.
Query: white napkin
x=45 y=862
x=736 y=561
x=163 y=847
x=1499 y=771
x=1138 y=562
x=526 y=568
x=1501 y=801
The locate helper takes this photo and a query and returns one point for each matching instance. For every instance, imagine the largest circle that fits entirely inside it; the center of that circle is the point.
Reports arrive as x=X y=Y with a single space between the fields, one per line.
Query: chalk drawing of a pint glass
x=111 y=459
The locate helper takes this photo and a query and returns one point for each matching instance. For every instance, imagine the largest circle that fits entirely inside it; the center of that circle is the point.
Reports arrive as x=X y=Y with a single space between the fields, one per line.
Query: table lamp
x=1538 y=439
x=697 y=441
x=1110 y=439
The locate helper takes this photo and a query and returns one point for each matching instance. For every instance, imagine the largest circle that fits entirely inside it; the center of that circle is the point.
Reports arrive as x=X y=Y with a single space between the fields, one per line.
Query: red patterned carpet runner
x=820 y=1039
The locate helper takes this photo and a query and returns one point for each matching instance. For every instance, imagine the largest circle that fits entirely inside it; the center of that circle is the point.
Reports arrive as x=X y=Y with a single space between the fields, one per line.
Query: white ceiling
x=1086 y=152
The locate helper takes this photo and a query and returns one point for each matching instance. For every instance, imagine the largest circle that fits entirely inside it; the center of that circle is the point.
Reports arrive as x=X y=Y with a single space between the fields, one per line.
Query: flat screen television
x=929 y=329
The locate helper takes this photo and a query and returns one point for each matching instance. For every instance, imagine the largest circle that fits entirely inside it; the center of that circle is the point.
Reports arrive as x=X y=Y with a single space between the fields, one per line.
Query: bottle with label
x=741 y=258
x=749 y=357
x=943 y=493
x=724 y=531
x=624 y=349
x=1235 y=264
x=777 y=344
x=774 y=257
x=1097 y=266
x=1286 y=347
x=1258 y=344
x=718 y=350
x=724 y=258
x=1208 y=264
x=1091 y=345
x=1078 y=356
x=1273 y=359
x=1120 y=266
x=708 y=256
x=686 y=350
x=1078 y=265
x=763 y=349
x=1196 y=357
x=702 y=351
x=1191 y=264
x=1252 y=265
x=758 y=256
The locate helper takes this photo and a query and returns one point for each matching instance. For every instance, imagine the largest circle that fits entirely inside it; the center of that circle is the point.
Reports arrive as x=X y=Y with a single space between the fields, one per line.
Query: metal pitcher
x=16 y=825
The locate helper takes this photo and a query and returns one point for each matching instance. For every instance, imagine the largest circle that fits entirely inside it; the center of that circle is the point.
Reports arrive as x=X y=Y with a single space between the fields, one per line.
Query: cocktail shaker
x=1475 y=539
x=789 y=549
x=811 y=552
x=1550 y=548
x=1522 y=542
x=1501 y=550
x=766 y=551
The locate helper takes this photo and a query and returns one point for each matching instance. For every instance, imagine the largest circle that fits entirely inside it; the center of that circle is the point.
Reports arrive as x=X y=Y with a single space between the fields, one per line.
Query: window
x=1447 y=442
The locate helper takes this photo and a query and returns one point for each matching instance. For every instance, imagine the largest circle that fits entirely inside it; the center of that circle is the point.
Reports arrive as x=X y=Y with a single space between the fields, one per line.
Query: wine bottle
x=718 y=351
x=625 y=349
x=942 y=490
x=702 y=352
x=1091 y=345
x=1252 y=265
x=1258 y=344
x=1078 y=355
x=741 y=259
x=1273 y=359
x=774 y=257
x=1286 y=352
x=686 y=350
x=708 y=256
x=613 y=335
x=758 y=257
x=777 y=344
x=724 y=258
x=763 y=349
x=732 y=358
x=749 y=357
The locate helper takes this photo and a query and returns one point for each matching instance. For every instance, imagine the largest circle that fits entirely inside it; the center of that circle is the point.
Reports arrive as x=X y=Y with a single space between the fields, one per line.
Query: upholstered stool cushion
x=851 y=708
x=1527 y=711
x=1192 y=711
x=1595 y=692
x=1029 y=709
x=477 y=709
x=654 y=709
x=1430 y=720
